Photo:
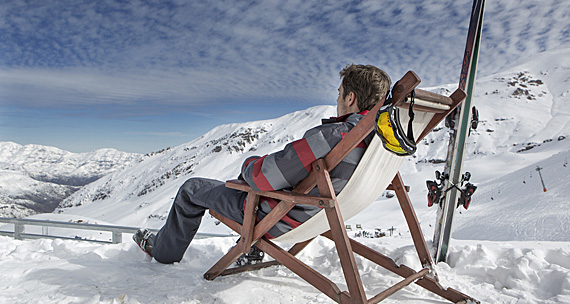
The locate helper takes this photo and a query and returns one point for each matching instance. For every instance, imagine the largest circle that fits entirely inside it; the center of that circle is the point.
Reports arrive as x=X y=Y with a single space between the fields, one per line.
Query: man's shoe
x=145 y=240
x=254 y=256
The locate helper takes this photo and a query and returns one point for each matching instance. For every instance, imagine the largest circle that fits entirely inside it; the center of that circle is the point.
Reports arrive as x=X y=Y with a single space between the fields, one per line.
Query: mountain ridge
x=35 y=178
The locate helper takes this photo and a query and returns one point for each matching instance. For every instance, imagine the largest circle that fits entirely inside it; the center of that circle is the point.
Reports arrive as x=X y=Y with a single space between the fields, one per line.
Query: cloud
x=164 y=66
x=114 y=52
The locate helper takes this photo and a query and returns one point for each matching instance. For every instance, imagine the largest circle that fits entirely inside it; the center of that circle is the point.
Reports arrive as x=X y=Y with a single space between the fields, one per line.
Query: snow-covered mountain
x=524 y=122
x=141 y=194
x=35 y=179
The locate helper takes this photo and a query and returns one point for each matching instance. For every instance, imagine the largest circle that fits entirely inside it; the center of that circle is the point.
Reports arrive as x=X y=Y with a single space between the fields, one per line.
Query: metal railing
x=19 y=231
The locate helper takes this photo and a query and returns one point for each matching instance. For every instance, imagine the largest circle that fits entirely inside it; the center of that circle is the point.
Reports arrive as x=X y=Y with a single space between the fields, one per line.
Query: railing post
x=117 y=237
x=18 y=230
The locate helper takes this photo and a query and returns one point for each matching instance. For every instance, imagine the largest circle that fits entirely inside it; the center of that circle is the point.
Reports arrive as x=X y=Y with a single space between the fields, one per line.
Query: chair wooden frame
x=253 y=234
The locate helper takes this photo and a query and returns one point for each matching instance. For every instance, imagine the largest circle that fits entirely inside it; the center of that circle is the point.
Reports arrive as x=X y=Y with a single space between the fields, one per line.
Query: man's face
x=341 y=105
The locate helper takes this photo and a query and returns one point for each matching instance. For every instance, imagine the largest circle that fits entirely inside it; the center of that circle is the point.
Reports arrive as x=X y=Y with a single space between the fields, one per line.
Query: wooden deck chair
x=376 y=171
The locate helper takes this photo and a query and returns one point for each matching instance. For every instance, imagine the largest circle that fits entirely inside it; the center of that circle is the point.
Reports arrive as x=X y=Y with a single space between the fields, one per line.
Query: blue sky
x=143 y=75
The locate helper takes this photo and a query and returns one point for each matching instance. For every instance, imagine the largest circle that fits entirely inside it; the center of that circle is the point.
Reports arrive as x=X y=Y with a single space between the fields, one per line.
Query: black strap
x=411 y=114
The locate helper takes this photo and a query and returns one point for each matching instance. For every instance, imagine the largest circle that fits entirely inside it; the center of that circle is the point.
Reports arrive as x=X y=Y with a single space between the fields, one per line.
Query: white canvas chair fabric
x=372 y=176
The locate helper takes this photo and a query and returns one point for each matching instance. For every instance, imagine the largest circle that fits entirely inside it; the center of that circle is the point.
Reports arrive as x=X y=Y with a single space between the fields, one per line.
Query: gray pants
x=193 y=198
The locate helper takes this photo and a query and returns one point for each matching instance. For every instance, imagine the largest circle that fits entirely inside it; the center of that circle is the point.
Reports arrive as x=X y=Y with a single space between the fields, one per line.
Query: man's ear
x=351 y=99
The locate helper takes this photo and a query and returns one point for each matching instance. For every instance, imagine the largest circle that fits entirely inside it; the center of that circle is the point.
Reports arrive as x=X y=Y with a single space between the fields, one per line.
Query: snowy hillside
x=36 y=178
x=511 y=246
x=142 y=193
x=22 y=195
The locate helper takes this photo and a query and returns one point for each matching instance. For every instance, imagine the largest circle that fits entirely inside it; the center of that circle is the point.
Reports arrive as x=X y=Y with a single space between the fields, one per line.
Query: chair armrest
x=296 y=198
x=238 y=184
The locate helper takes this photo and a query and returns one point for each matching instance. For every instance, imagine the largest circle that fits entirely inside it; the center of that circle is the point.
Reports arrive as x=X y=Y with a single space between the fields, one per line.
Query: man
x=361 y=88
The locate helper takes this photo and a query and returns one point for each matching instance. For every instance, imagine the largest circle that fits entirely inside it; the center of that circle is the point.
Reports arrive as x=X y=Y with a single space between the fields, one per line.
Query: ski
x=459 y=130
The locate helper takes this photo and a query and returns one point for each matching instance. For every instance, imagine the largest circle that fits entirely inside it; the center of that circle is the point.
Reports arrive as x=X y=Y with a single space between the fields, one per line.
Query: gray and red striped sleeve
x=284 y=169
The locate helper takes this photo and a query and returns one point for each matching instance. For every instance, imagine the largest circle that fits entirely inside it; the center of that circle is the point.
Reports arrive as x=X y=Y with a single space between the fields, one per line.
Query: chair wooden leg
x=340 y=236
x=347 y=260
x=220 y=268
x=246 y=268
x=390 y=291
x=426 y=282
x=224 y=263
x=250 y=214
x=245 y=243
x=239 y=269
x=412 y=221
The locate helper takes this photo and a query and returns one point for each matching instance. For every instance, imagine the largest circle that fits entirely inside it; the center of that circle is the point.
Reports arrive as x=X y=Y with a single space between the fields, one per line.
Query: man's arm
x=284 y=169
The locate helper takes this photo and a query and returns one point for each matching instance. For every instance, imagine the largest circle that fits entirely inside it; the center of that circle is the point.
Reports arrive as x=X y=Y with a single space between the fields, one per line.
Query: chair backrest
x=372 y=176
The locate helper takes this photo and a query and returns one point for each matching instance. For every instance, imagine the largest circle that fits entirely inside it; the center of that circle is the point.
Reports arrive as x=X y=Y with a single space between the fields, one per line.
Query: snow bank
x=58 y=271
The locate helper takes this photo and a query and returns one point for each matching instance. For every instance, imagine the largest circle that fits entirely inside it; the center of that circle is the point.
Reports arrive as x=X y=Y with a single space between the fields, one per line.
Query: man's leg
x=193 y=198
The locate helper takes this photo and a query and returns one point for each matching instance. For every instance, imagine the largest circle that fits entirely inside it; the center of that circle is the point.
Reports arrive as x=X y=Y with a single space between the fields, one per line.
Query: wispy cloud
x=172 y=51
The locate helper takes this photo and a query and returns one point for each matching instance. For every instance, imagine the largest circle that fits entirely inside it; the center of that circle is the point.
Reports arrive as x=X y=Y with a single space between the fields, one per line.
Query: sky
x=140 y=76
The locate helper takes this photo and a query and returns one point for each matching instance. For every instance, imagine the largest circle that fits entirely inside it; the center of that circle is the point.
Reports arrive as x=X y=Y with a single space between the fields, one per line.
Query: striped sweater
x=285 y=168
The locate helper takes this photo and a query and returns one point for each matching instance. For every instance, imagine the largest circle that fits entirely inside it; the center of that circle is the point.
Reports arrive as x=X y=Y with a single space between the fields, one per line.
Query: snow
x=63 y=271
x=511 y=246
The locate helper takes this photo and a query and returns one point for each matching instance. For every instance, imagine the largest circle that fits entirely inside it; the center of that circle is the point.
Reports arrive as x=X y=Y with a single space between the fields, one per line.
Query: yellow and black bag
x=390 y=130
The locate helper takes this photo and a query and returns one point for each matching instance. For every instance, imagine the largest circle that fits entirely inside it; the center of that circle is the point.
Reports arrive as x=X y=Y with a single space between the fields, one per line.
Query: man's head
x=362 y=87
